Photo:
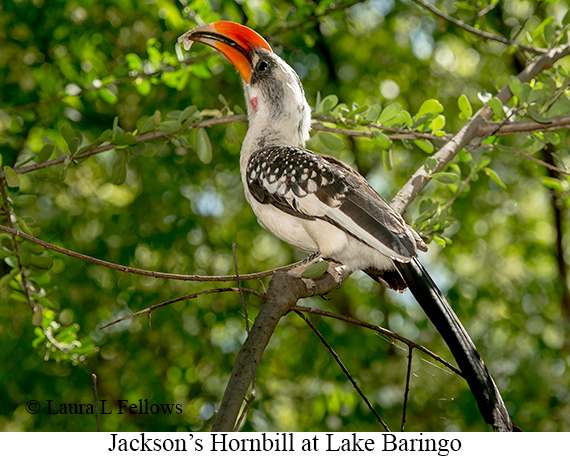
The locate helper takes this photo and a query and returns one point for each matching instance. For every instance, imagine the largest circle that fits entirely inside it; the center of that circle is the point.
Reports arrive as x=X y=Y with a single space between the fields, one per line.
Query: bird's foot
x=337 y=271
x=298 y=270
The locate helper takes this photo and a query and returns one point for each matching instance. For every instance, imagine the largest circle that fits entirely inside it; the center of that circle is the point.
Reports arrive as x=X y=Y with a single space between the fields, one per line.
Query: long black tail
x=470 y=362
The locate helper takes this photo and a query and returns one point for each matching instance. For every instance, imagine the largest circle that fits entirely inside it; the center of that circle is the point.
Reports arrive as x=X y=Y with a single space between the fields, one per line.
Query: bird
x=322 y=206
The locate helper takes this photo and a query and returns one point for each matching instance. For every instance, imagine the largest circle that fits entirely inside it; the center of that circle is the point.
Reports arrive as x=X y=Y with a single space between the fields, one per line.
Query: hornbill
x=322 y=206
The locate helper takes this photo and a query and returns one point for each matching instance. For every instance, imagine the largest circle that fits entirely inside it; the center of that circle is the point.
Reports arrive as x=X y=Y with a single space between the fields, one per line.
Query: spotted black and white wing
x=314 y=186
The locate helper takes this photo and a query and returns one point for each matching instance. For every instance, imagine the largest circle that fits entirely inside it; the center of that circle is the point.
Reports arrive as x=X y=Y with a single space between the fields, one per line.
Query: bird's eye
x=262 y=66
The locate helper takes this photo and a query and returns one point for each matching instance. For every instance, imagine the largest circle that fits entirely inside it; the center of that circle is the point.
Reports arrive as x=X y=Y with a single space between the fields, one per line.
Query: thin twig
x=139 y=271
x=150 y=309
x=343 y=367
x=478 y=32
x=407 y=390
x=381 y=330
x=542 y=162
x=251 y=399
x=556 y=97
x=139 y=138
x=15 y=245
x=96 y=398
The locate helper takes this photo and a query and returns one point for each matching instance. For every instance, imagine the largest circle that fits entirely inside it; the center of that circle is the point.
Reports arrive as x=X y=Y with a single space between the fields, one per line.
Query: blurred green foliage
x=76 y=75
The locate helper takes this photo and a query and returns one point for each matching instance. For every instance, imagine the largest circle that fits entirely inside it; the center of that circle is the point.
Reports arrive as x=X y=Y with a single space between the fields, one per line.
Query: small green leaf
x=494 y=176
x=430 y=164
x=149 y=125
x=387 y=159
x=43 y=262
x=108 y=96
x=432 y=107
x=538 y=117
x=203 y=146
x=170 y=126
x=316 y=270
x=381 y=140
x=555 y=184
x=517 y=89
x=331 y=141
x=119 y=172
x=11 y=178
x=437 y=123
x=389 y=113
x=497 y=107
x=143 y=86
x=425 y=145
x=0 y=160
x=465 y=106
x=45 y=153
x=187 y=113
x=231 y=133
x=134 y=62
x=327 y=104
x=445 y=177
x=373 y=113
x=126 y=138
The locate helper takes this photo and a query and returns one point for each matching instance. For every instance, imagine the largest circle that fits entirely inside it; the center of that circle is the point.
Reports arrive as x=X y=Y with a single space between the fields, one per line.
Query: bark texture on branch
x=282 y=294
x=476 y=127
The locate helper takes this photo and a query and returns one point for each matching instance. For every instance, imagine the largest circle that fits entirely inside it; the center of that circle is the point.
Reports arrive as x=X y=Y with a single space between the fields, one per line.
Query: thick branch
x=476 y=127
x=282 y=294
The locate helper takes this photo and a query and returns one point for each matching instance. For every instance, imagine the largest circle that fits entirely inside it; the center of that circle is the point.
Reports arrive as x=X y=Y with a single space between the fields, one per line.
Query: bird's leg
x=338 y=271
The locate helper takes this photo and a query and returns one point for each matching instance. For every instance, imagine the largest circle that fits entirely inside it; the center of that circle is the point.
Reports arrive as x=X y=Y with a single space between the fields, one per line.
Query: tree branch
x=282 y=294
x=481 y=33
x=478 y=126
x=139 y=271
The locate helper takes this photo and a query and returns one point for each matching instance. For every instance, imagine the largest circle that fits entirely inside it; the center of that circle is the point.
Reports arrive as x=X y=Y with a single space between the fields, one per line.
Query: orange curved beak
x=237 y=42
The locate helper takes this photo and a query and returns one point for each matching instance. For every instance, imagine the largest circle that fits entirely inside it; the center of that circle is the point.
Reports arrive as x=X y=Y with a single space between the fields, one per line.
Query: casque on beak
x=237 y=42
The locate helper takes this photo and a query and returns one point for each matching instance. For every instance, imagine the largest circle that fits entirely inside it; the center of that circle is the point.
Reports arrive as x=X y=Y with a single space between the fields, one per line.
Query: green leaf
x=170 y=126
x=517 y=89
x=231 y=133
x=327 y=104
x=373 y=113
x=108 y=96
x=203 y=146
x=387 y=159
x=45 y=153
x=119 y=172
x=538 y=117
x=445 y=177
x=432 y=107
x=126 y=138
x=425 y=145
x=133 y=61
x=0 y=160
x=430 y=164
x=437 y=123
x=465 y=106
x=494 y=176
x=389 y=113
x=188 y=112
x=331 y=141
x=143 y=86
x=316 y=270
x=11 y=178
x=381 y=140
x=149 y=125
x=555 y=184
x=497 y=107
x=67 y=133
